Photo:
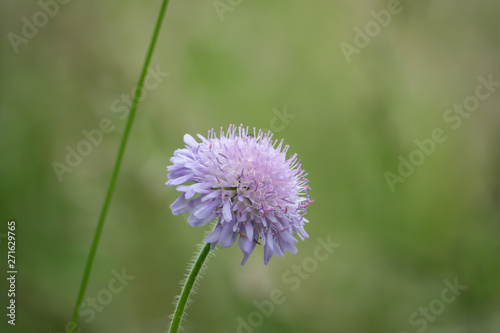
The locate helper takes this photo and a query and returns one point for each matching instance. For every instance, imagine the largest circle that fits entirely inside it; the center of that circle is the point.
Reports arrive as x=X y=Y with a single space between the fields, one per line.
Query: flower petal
x=205 y=208
x=179 y=202
x=196 y=222
x=180 y=180
x=249 y=230
x=248 y=183
x=191 y=190
x=190 y=141
x=188 y=207
x=268 y=253
x=227 y=236
x=214 y=235
x=226 y=211
x=246 y=245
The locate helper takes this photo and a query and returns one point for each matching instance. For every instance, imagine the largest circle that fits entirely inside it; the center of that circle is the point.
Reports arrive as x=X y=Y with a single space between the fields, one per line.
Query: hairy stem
x=114 y=176
x=187 y=288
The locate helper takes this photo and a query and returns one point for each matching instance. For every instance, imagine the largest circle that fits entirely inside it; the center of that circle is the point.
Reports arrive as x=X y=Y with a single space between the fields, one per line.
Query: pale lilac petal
x=212 y=195
x=249 y=230
x=180 y=180
x=181 y=200
x=202 y=138
x=196 y=222
x=245 y=244
x=206 y=208
x=214 y=235
x=188 y=207
x=270 y=243
x=271 y=218
x=190 y=141
x=228 y=236
x=268 y=253
x=287 y=237
x=191 y=190
x=226 y=211
x=286 y=242
x=277 y=249
x=245 y=258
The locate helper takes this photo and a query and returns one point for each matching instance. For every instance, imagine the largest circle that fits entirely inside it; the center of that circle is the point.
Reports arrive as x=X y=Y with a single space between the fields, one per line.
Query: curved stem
x=114 y=176
x=187 y=288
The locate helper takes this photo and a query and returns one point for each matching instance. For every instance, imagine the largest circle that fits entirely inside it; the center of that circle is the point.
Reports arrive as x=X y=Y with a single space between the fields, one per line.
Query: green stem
x=114 y=176
x=187 y=288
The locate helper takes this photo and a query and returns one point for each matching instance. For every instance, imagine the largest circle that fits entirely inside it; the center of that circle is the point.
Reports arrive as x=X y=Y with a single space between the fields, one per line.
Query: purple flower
x=245 y=181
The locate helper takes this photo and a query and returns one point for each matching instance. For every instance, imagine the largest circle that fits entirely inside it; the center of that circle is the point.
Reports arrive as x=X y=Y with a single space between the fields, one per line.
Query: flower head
x=245 y=181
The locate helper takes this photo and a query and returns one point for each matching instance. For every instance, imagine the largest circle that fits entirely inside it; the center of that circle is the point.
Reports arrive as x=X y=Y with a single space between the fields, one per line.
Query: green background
x=352 y=122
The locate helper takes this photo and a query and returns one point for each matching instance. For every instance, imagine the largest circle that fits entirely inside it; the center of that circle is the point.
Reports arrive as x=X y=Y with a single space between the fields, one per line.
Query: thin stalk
x=187 y=289
x=114 y=176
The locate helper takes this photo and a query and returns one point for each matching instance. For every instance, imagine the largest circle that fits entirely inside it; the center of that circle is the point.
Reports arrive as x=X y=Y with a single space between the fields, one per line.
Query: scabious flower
x=245 y=181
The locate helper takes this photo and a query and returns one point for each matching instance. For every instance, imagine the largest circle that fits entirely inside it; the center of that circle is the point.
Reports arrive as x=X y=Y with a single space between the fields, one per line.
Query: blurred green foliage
x=352 y=122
